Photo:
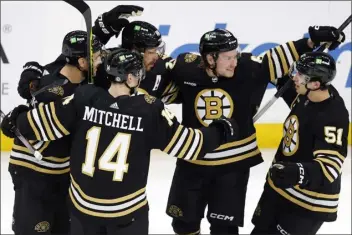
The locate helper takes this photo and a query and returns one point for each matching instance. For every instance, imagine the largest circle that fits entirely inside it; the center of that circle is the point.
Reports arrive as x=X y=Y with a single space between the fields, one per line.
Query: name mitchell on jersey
x=112 y=119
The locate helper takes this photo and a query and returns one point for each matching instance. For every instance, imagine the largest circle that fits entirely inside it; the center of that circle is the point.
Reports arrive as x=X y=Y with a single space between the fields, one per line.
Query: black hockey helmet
x=74 y=45
x=315 y=66
x=121 y=62
x=217 y=40
x=141 y=35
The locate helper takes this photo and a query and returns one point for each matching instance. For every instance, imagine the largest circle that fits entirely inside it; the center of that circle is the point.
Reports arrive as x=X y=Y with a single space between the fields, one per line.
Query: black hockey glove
x=9 y=121
x=288 y=174
x=326 y=34
x=29 y=81
x=228 y=126
x=112 y=22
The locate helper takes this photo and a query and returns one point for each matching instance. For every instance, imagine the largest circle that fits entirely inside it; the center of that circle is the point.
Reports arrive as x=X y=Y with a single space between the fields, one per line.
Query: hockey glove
x=288 y=174
x=112 y=22
x=326 y=34
x=228 y=126
x=29 y=81
x=9 y=121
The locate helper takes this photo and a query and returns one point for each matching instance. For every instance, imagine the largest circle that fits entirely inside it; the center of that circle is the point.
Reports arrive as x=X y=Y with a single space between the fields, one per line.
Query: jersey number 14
x=119 y=145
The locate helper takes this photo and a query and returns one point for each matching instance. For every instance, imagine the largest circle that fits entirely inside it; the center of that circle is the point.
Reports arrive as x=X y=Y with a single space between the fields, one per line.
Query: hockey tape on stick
x=289 y=83
x=84 y=9
x=35 y=152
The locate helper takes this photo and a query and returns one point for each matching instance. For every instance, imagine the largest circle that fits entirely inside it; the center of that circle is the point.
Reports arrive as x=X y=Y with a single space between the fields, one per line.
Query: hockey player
x=41 y=187
x=145 y=38
x=139 y=35
x=107 y=25
x=303 y=185
x=223 y=81
x=112 y=136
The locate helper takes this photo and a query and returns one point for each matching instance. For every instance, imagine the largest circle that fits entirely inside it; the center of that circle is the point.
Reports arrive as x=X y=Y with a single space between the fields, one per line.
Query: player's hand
x=326 y=34
x=287 y=174
x=228 y=126
x=9 y=121
x=29 y=81
x=117 y=18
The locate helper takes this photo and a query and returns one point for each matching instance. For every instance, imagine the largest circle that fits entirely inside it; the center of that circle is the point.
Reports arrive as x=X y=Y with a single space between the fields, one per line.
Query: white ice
x=160 y=176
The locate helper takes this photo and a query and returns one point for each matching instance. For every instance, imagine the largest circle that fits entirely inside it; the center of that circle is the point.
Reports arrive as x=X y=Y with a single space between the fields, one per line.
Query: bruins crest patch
x=174 y=211
x=58 y=90
x=290 y=142
x=189 y=58
x=149 y=99
x=42 y=227
x=211 y=104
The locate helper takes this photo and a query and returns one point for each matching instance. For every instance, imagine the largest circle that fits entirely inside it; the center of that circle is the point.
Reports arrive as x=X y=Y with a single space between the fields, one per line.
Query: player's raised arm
x=277 y=61
x=47 y=122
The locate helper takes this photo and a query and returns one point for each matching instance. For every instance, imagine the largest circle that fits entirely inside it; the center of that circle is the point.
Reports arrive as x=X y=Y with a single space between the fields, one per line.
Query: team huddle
x=96 y=139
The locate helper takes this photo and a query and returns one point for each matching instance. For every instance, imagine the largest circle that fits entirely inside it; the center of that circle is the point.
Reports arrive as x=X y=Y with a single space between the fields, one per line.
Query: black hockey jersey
x=314 y=133
x=111 y=143
x=158 y=84
x=56 y=154
x=204 y=98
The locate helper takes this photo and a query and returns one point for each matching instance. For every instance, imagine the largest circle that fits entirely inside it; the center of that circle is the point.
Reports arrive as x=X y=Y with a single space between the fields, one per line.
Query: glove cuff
x=103 y=27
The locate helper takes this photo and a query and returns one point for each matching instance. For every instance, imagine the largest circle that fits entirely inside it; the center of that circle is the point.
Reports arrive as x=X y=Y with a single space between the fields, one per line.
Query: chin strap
x=309 y=90
x=213 y=69
x=133 y=90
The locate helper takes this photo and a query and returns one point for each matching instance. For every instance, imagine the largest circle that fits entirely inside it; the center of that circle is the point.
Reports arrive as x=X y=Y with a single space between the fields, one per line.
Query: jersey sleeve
x=170 y=94
x=274 y=67
x=330 y=145
x=49 y=121
x=177 y=140
x=276 y=62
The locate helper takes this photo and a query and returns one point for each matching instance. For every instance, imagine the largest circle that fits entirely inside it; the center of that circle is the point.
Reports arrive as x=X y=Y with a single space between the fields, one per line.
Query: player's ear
x=82 y=62
x=316 y=85
x=129 y=78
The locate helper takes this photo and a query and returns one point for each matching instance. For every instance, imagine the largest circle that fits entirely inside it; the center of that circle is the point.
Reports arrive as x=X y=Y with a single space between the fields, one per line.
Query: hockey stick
x=289 y=83
x=83 y=7
x=35 y=152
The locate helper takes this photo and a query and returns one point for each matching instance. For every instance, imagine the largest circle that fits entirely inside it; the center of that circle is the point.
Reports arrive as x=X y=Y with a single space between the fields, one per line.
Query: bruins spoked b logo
x=291 y=139
x=211 y=104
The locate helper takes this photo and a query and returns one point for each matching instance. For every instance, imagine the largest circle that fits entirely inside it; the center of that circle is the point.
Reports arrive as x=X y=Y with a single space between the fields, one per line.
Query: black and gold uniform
x=41 y=187
x=111 y=140
x=222 y=177
x=302 y=187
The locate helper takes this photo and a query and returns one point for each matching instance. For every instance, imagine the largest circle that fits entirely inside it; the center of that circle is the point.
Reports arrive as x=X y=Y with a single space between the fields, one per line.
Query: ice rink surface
x=160 y=176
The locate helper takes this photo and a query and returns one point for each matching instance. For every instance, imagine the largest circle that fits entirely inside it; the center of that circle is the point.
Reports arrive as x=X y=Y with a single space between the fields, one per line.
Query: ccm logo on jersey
x=221 y=217
x=281 y=230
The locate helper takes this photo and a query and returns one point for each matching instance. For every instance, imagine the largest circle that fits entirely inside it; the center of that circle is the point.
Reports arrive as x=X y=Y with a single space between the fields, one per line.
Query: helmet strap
x=83 y=72
x=133 y=90
x=213 y=69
